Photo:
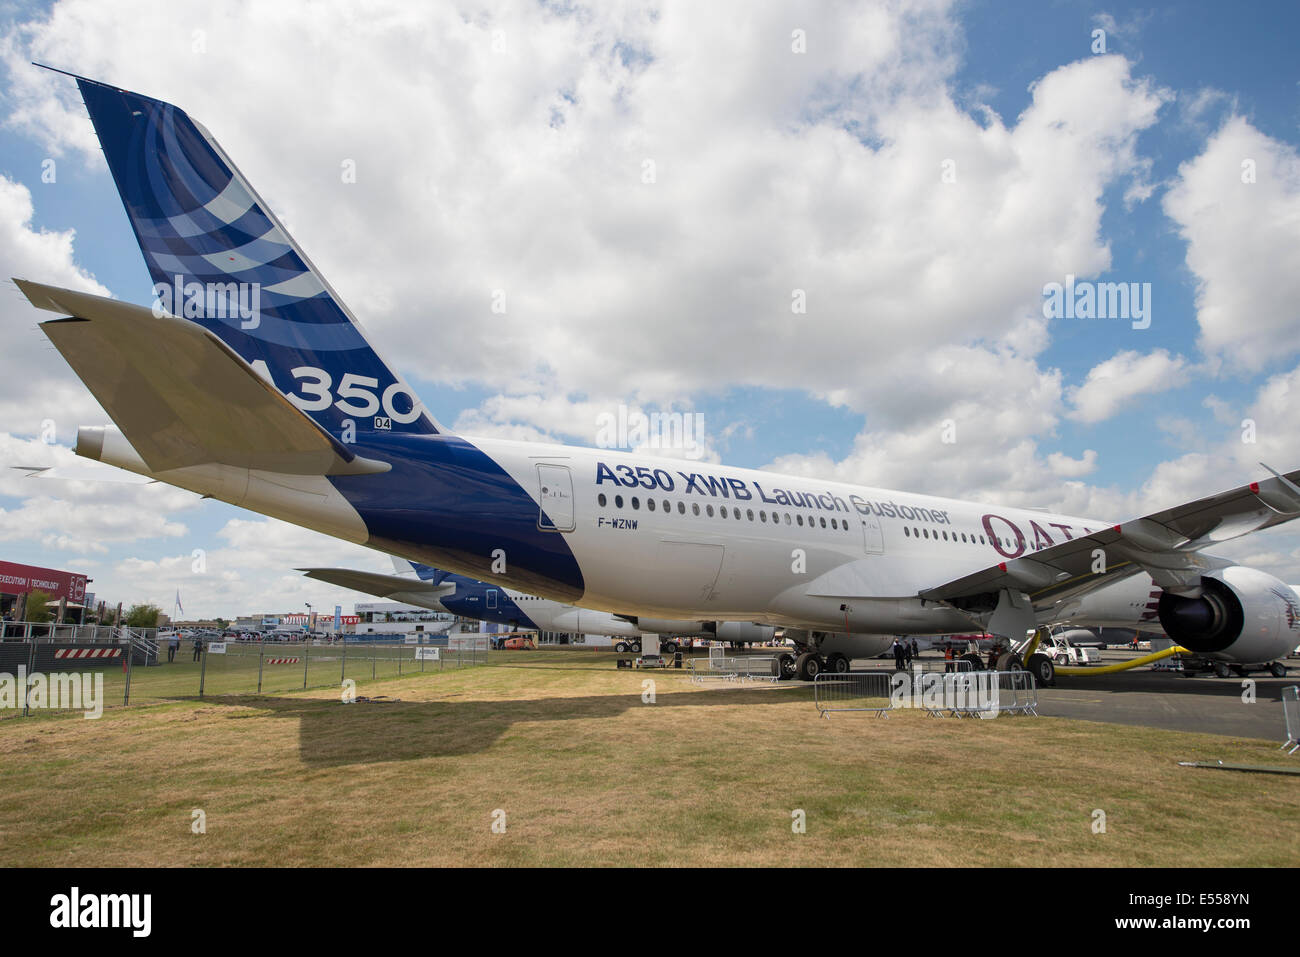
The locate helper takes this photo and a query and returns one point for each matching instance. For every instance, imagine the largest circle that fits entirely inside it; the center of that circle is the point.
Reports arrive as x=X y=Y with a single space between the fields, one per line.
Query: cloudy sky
x=652 y=191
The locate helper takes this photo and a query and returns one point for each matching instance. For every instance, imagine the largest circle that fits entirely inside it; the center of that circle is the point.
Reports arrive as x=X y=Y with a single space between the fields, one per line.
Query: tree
x=222 y=623
x=38 y=605
x=142 y=616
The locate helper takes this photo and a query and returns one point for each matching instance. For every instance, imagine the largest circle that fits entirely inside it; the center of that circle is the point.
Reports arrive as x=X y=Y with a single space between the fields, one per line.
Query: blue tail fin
x=432 y=575
x=218 y=256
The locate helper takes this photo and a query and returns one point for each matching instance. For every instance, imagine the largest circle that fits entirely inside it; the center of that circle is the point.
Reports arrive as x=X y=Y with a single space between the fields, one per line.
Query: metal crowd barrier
x=984 y=694
x=1291 y=711
x=854 y=691
x=941 y=665
x=736 y=668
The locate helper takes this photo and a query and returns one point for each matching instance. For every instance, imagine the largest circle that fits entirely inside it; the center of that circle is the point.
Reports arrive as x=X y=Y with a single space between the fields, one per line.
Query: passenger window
x=787 y=518
x=906 y=532
x=618 y=501
x=709 y=509
x=823 y=523
x=722 y=510
x=695 y=508
x=636 y=502
x=681 y=508
x=650 y=504
x=798 y=520
x=600 y=499
x=749 y=513
x=762 y=516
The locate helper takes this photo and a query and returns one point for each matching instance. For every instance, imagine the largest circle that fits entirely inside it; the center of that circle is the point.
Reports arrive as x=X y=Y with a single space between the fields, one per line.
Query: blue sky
x=841 y=397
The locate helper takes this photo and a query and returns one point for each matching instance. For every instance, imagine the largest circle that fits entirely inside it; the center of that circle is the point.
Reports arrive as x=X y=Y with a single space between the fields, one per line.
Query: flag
x=178 y=602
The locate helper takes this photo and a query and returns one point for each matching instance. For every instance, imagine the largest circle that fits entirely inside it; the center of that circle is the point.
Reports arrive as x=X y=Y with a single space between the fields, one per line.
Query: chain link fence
x=90 y=669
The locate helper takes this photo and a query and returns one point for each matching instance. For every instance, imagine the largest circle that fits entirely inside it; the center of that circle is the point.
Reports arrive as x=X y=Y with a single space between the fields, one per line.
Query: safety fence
x=983 y=694
x=268 y=667
x=126 y=668
x=73 y=634
x=718 y=667
x=942 y=665
x=1291 y=712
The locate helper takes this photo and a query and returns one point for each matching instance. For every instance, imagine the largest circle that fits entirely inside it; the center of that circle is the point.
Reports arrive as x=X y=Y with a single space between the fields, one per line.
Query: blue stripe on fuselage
x=451 y=505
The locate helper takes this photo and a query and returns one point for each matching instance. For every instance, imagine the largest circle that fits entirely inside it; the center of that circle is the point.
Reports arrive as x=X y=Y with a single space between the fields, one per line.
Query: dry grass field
x=585 y=773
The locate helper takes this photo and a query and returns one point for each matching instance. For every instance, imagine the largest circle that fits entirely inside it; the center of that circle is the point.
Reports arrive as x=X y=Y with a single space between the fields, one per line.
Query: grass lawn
x=586 y=773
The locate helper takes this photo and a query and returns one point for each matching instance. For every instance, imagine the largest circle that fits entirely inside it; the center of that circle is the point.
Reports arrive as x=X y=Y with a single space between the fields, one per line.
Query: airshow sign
x=19 y=579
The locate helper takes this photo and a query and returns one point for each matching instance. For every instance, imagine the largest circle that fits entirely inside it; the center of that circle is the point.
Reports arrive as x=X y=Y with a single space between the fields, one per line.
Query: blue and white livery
x=254 y=384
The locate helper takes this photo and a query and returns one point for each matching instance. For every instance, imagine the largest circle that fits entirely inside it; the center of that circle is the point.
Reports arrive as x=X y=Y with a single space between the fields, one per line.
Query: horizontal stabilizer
x=394 y=587
x=181 y=396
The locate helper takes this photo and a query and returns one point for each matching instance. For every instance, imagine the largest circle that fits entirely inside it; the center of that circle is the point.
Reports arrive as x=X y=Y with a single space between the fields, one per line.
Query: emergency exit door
x=555 y=483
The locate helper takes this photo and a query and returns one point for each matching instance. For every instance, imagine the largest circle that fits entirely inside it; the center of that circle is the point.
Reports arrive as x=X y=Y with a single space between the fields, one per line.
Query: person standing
x=198 y=647
x=173 y=645
x=899 y=663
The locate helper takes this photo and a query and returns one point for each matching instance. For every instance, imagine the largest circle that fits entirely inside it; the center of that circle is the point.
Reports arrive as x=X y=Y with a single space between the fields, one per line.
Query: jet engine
x=1242 y=614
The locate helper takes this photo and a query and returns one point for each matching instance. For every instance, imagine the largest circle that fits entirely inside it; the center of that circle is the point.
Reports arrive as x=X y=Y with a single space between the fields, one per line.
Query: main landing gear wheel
x=837 y=663
x=1043 y=670
x=1010 y=662
x=621 y=647
x=808 y=666
x=973 y=661
x=786 y=662
x=1222 y=670
x=1277 y=669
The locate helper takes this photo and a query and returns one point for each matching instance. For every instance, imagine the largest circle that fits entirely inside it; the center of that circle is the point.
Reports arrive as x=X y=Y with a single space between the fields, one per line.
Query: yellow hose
x=1123 y=665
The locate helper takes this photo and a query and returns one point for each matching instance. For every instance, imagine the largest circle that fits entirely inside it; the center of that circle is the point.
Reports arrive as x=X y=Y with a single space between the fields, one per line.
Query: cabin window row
x=723 y=511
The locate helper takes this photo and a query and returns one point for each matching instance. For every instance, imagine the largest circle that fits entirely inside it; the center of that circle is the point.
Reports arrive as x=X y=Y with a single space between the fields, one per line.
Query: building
x=16 y=580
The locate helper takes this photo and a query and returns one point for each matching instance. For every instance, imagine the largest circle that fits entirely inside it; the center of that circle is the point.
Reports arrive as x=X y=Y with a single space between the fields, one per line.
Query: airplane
x=251 y=382
x=441 y=590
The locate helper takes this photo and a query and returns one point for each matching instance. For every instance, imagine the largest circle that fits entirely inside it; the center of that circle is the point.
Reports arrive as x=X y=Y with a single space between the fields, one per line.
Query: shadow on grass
x=332 y=733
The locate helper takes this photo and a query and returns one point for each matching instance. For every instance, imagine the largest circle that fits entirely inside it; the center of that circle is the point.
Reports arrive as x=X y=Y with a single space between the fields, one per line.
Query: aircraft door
x=492 y=599
x=873 y=539
x=555 y=484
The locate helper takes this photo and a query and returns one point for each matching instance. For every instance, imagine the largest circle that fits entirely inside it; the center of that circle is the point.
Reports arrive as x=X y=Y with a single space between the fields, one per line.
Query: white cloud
x=1243 y=244
x=37 y=388
x=1115 y=383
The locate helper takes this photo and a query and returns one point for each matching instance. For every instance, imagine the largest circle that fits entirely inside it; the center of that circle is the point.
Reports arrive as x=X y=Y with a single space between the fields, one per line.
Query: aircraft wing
x=410 y=591
x=1165 y=545
x=181 y=396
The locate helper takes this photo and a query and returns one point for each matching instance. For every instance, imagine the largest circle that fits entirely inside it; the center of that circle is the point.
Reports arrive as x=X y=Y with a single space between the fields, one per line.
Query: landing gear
x=787 y=664
x=1222 y=670
x=837 y=663
x=1277 y=669
x=621 y=648
x=1043 y=670
x=973 y=661
x=1010 y=662
x=807 y=666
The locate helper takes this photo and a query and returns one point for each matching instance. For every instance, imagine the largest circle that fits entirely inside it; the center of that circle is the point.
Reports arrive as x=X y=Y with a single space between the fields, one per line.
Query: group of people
x=905 y=649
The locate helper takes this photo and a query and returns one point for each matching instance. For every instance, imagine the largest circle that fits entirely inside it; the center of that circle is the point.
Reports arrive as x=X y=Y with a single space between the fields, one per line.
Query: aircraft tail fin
x=219 y=257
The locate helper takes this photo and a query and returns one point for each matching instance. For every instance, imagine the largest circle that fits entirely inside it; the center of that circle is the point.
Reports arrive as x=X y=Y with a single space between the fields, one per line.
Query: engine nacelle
x=744 y=631
x=1243 y=615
